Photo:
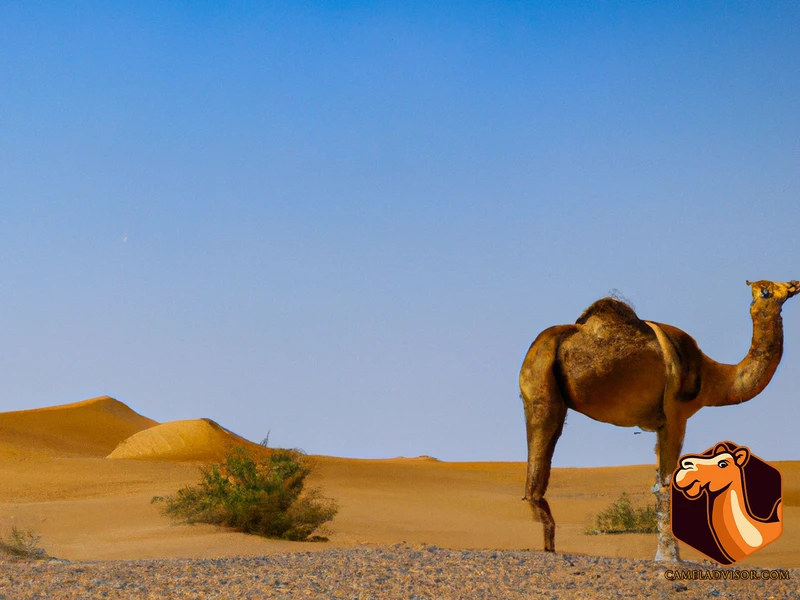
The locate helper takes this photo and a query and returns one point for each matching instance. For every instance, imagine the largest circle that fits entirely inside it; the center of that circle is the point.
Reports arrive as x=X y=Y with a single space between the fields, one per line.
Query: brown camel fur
x=615 y=368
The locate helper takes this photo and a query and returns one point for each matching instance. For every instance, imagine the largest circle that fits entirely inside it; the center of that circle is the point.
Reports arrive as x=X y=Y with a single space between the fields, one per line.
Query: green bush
x=623 y=517
x=22 y=544
x=265 y=497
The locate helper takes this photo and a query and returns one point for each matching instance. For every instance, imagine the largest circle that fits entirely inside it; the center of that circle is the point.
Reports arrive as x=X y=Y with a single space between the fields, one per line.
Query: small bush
x=622 y=517
x=266 y=497
x=22 y=544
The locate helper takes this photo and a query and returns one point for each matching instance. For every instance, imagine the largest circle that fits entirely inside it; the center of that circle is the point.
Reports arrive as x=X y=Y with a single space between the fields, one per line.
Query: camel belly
x=623 y=410
x=622 y=387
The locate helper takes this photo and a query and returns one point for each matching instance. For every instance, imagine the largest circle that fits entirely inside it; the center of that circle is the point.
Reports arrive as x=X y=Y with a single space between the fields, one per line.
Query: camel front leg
x=668 y=450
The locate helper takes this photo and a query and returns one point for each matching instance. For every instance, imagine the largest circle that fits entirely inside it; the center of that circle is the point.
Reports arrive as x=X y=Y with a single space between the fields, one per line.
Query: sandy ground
x=97 y=509
x=57 y=482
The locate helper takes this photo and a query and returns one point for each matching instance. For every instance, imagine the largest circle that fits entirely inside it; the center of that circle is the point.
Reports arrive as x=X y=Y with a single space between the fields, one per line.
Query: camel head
x=712 y=473
x=773 y=291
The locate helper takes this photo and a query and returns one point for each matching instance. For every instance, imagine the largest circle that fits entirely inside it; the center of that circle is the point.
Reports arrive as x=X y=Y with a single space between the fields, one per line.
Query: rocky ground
x=400 y=571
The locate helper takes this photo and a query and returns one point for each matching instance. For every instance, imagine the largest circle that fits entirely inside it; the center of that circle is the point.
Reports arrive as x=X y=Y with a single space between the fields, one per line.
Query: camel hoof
x=667 y=555
x=667 y=559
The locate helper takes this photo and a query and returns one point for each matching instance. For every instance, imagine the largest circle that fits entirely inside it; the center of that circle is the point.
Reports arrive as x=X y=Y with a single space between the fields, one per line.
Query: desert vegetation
x=266 y=496
x=623 y=517
x=22 y=543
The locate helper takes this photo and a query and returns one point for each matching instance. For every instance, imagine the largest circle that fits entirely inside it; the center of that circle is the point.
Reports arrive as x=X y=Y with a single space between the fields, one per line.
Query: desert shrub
x=22 y=544
x=623 y=517
x=264 y=497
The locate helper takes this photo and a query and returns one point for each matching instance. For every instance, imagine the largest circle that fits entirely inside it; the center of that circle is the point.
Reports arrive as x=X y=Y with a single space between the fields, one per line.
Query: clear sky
x=344 y=223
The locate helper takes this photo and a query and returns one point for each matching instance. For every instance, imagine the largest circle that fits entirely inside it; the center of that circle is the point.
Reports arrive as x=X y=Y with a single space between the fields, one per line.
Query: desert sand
x=82 y=477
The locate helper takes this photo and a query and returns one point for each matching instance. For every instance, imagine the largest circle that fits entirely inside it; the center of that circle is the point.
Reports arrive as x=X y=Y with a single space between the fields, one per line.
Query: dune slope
x=189 y=440
x=91 y=428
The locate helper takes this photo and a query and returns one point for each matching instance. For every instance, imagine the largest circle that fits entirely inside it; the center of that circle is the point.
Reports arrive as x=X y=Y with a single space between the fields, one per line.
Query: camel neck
x=745 y=380
x=755 y=371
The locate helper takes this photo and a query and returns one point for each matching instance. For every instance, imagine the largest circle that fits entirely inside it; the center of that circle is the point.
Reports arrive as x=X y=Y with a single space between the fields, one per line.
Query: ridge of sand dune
x=91 y=427
x=186 y=440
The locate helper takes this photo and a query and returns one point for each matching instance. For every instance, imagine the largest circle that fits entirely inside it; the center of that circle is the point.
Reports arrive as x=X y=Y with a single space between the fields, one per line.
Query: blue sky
x=344 y=223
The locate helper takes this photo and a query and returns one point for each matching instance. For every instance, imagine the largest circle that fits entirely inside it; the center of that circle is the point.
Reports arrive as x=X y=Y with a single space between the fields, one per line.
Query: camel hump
x=690 y=358
x=613 y=310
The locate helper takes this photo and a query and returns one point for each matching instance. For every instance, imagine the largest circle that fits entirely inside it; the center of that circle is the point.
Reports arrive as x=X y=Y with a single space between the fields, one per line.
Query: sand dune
x=191 y=440
x=89 y=428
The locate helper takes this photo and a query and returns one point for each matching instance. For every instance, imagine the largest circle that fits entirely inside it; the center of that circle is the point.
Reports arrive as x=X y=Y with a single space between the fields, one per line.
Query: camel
x=737 y=531
x=615 y=368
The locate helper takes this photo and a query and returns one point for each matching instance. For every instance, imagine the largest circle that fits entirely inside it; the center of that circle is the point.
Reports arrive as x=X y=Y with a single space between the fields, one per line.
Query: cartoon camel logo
x=719 y=476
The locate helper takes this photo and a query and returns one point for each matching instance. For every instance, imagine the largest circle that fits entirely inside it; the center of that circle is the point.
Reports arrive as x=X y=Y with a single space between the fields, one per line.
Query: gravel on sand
x=400 y=571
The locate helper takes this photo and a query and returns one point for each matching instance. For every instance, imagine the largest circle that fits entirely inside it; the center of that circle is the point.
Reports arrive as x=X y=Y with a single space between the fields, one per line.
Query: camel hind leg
x=541 y=446
x=545 y=413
